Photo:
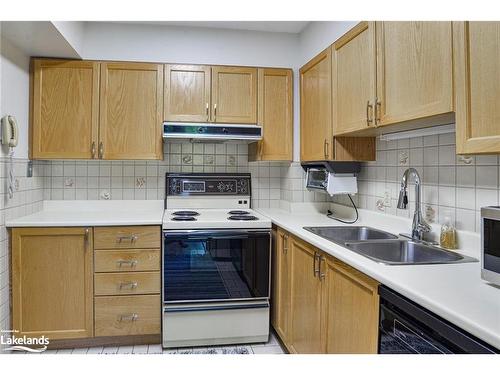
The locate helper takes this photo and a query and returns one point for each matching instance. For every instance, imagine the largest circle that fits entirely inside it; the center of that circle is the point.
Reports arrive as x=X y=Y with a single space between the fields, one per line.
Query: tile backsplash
x=453 y=185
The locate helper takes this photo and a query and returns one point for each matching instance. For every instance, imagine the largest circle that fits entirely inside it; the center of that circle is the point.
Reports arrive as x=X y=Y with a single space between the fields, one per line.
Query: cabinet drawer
x=127 y=315
x=127 y=260
x=133 y=237
x=109 y=284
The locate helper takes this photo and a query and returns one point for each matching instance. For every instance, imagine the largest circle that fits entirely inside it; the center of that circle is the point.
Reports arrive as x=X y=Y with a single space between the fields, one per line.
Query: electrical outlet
x=387 y=199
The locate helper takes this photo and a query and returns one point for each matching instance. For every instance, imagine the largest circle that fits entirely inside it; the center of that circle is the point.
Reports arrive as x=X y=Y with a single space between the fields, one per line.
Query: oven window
x=491 y=245
x=216 y=267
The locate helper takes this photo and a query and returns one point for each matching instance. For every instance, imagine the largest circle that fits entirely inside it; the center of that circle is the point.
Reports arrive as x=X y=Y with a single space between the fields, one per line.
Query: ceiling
x=269 y=26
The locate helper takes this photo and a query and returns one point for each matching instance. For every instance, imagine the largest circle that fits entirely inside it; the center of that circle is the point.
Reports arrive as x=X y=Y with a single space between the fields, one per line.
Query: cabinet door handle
x=131 y=317
x=215 y=112
x=131 y=263
x=86 y=237
x=285 y=244
x=322 y=273
x=369 y=113
x=378 y=110
x=93 y=149
x=326 y=146
x=129 y=285
x=207 y=107
x=316 y=261
x=101 y=150
x=131 y=238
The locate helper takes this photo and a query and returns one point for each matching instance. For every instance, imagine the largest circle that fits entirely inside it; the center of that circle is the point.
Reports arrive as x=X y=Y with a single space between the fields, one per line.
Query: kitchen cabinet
x=127 y=280
x=64 y=92
x=352 y=310
x=316 y=128
x=187 y=93
x=281 y=288
x=414 y=71
x=234 y=95
x=52 y=276
x=275 y=115
x=476 y=60
x=306 y=302
x=353 y=79
x=131 y=111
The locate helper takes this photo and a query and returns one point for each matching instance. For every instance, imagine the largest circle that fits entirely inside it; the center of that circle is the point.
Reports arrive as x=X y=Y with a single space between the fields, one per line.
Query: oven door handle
x=168 y=309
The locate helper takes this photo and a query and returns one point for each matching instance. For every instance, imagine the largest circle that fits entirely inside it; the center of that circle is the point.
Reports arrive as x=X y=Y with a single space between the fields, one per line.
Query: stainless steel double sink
x=387 y=248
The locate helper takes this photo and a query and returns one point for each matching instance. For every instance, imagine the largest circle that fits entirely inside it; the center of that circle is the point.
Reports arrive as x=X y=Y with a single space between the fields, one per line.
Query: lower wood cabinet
x=52 y=289
x=320 y=304
x=56 y=293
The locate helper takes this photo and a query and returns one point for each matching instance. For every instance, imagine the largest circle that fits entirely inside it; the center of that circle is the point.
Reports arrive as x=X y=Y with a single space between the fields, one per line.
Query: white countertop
x=93 y=213
x=453 y=291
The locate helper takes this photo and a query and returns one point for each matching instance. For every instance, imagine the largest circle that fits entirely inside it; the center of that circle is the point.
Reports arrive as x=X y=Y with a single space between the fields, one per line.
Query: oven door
x=210 y=266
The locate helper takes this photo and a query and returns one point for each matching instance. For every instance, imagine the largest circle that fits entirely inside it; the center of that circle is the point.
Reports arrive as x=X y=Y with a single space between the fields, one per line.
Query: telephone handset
x=10 y=131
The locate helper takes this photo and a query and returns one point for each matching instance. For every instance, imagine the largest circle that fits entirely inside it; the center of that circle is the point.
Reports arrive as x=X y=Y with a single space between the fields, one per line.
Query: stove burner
x=242 y=217
x=183 y=218
x=185 y=213
x=238 y=212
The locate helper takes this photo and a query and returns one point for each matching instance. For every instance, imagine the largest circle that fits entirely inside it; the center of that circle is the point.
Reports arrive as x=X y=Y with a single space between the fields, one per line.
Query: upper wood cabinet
x=64 y=109
x=187 y=93
x=316 y=108
x=275 y=115
x=52 y=276
x=306 y=302
x=414 y=70
x=234 y=95
x=352 y=310
x=353 y=79
x=477 y=81
x=131 y=111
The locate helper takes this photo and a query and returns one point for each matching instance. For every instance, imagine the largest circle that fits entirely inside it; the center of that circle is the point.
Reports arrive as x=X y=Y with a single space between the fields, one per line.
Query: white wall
x=14 y=92
x=73 y=32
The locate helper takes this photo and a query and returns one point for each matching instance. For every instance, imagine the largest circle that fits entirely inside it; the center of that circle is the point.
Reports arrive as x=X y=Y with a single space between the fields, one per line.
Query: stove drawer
x=127 y=260
x=109 y=284
x=127 y=315
x=131 y=237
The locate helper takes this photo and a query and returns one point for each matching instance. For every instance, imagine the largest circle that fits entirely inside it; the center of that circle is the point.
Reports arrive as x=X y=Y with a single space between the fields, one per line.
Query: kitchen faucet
x=419 y=227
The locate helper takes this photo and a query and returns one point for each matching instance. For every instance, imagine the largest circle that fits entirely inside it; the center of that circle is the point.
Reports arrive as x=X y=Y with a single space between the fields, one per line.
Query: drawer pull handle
x=131 y=263
x=131 y=317
x=131 y=238
x=131 y=285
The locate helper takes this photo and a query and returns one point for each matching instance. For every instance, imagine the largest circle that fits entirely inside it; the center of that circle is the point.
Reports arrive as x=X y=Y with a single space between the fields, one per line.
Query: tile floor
x=271 y=347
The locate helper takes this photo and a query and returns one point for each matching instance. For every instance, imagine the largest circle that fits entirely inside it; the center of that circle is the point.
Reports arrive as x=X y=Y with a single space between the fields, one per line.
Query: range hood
x=214 y=133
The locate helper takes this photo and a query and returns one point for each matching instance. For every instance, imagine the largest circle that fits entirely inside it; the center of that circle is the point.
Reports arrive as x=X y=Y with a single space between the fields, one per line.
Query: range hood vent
x=213 y=133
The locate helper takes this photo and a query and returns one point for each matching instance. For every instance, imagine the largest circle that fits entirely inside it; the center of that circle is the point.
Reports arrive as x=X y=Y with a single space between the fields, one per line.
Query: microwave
x=490 y=244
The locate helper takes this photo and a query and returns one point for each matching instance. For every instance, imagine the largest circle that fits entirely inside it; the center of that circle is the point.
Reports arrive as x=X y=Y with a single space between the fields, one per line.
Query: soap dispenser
x=448 y=238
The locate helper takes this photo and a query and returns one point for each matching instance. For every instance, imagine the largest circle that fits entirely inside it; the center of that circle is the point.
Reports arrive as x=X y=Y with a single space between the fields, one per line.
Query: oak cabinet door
x=414 y=70
x=352 y=311
x=275 y=115
x=353 y=79
x=306 y=328
x=187 y=93
x=131 y=111
x=64 y=109
x=316 y=108
x=281 y=284
x=234 y=95
x=477 y=81
x=52 y=291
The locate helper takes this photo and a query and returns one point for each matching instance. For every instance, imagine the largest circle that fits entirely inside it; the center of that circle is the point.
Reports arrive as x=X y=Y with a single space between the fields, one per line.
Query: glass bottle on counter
x=448 y=238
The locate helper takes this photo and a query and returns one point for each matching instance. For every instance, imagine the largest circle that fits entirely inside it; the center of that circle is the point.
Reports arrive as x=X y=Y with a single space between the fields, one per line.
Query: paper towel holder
x=332 y=177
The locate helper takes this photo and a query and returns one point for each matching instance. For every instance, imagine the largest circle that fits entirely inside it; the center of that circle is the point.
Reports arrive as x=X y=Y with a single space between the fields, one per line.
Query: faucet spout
x=419 y=226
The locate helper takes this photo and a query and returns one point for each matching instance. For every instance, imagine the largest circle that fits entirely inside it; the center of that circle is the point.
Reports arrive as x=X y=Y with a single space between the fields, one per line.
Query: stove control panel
x=208 y=184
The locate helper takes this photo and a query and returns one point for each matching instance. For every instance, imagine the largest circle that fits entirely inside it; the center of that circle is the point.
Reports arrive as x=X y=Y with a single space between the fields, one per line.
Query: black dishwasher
x=407 y=328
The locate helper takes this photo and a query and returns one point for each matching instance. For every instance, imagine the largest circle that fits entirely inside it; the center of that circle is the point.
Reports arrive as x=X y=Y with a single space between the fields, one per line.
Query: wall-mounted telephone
x=10 y=131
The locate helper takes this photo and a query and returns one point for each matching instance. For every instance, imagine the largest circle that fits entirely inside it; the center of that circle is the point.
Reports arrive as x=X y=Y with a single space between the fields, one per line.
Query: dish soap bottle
x=448 y=238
